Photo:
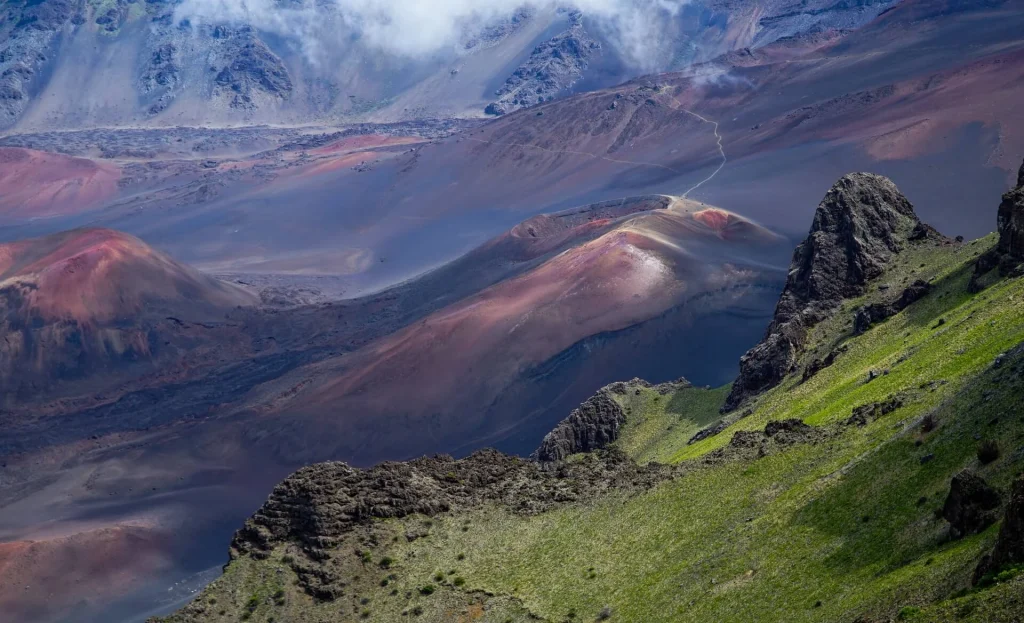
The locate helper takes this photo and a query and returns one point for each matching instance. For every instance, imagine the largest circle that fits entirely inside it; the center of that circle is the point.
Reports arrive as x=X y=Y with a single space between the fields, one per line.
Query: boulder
x=1009 y=549
x=593 y=425
x=876 y=312
x=971 y=506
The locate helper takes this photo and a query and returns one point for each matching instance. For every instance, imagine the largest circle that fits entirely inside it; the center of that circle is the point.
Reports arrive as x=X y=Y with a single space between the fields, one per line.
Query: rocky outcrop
x=817 y=365
x=254 y=72
x=756 y=444
x=877 y=312
x=1009 y=549
x=114 y=15
x=553 y=67
x=860 y=225
x=593 y=425
x=318 y=506
x=1011 y=221
x=160 y=76
x=971 y=506
x=863 y=414
x=1009 y=252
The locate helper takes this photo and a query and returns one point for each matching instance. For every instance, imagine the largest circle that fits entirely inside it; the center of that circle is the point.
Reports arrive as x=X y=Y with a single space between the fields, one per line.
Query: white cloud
x=416 y=28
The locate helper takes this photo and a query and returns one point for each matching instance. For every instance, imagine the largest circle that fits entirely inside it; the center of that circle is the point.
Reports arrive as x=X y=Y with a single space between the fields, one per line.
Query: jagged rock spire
x=1011 y=220
x=860 y=224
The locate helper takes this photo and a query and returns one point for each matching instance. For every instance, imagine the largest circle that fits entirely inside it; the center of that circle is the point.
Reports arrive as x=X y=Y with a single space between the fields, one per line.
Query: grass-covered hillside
x=839 y=518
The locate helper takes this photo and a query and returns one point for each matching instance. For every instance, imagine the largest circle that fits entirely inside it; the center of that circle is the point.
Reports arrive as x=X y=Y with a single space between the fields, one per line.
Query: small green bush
x=386 y=562
x=427 y=589
x=459 y=581
x=907 y=613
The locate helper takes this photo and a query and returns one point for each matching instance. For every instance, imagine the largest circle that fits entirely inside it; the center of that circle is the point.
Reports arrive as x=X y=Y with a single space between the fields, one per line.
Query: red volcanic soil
x=94 y=307
x=363 y=142
x=39 y=184
x=545 y=233
x=42 y=578
x=94 y=276
x=464 y=355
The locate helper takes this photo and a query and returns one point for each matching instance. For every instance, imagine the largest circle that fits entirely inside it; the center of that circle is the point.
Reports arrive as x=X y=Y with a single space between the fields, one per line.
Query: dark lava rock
x=317 y=506
x=874 y=410
x=877 y=312
x=818 y=365
x=710 y=431
x=971 y=506
x=552 y=68
x=788 y=431
x=593 y=425
x=1009 y=549
x=748 y=445
x=924 y=231
x=861 y=224
x=1009 y=253
x=1010 y=222
x=114 y=17
x=27 y=33
x=254 y=69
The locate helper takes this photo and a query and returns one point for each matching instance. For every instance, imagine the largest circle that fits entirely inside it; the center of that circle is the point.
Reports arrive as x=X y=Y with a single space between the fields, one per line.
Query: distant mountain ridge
x=84 y=63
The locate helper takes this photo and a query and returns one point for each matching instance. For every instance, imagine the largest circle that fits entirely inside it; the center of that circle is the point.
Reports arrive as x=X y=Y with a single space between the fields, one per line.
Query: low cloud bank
x=418 y=28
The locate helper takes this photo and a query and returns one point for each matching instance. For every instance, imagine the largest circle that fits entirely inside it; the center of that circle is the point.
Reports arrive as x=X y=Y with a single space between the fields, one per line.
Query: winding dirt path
x=718 y=139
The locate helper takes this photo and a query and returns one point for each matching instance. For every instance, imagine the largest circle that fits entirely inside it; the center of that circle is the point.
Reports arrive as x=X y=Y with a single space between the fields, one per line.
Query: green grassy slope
x=843 y=528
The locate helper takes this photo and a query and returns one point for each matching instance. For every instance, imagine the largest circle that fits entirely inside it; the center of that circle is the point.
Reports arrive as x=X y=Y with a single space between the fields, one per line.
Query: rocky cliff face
x=593 y=425
x=252 y=73
x=1011 y=220
x=319 y=505
x=861 y=224
x=1009 y=549
x=552 y=68
x=1009 y=253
